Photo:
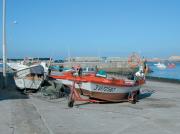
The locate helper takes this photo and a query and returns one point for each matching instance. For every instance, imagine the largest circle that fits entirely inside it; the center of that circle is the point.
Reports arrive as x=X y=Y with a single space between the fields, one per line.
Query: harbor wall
x=113 y=67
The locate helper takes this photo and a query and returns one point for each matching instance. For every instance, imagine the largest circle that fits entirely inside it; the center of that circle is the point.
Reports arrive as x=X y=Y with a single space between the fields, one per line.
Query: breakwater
x=110 y=67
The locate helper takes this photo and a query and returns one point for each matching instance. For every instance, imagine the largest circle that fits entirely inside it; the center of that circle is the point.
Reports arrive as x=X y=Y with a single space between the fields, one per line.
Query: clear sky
x=44 y=28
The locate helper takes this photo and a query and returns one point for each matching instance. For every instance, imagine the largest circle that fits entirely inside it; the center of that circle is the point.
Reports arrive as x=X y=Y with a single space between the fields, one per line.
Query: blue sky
x=48 y=28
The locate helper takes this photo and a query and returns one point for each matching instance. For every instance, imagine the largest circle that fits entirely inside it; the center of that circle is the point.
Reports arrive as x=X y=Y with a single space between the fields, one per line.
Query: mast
x=69 y=57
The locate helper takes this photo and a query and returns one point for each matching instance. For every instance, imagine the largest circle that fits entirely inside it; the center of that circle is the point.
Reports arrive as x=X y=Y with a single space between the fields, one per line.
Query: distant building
x=97 y=59
x=116 y=59
x=174 y=58
x=84 y=59
x=154 y=60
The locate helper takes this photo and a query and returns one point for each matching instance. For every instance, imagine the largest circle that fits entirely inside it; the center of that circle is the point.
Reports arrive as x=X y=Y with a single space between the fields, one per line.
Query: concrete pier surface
x=158 y=111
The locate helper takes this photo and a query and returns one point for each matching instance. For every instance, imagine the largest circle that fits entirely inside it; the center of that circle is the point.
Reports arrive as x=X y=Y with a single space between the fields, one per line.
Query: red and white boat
x=106 y=89
x=171 y=65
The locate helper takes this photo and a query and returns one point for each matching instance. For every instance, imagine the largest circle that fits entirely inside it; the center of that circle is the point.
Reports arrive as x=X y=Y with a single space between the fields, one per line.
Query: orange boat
x=106 y=89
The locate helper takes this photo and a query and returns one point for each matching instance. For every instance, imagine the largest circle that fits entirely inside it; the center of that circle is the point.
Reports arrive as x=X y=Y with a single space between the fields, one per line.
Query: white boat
x=160 y=65
x=29 y=78
x=17 y=66
x=45 y=66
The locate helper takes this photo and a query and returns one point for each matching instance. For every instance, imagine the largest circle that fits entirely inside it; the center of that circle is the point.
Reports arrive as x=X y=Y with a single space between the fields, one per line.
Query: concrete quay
x=156 y=112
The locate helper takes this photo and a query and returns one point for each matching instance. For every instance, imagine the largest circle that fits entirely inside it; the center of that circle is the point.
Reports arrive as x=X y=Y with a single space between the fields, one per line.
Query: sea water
x=171 y=73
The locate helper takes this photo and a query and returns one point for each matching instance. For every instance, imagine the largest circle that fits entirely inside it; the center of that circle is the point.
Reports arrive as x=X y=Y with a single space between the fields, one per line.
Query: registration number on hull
x=104 y=88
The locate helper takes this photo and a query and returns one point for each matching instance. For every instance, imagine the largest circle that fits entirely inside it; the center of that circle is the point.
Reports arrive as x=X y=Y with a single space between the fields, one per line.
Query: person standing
x=80 y=72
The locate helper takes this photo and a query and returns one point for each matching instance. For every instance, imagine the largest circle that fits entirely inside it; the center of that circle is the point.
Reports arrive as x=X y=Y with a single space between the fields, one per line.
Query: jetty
x=156 y=112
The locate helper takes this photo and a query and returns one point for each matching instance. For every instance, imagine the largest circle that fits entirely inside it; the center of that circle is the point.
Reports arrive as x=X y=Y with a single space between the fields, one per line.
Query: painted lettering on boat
x=104 y=88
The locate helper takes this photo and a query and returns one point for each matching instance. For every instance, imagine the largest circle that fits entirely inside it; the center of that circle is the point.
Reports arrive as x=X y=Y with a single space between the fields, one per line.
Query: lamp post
x=4 y=45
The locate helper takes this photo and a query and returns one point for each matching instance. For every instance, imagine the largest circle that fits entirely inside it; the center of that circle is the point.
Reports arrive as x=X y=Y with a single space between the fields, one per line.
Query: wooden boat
x=30 y=77
x=107 y=89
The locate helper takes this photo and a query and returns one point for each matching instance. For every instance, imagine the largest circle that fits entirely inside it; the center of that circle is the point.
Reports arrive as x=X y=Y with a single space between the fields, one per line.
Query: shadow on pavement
x=145 y=94
x=10 y=91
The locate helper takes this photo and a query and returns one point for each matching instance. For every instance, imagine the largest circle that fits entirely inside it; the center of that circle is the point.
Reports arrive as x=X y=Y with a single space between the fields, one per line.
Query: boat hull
x=112 y=97
x=28 y=83
x=29 y=78
x=101 y=91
